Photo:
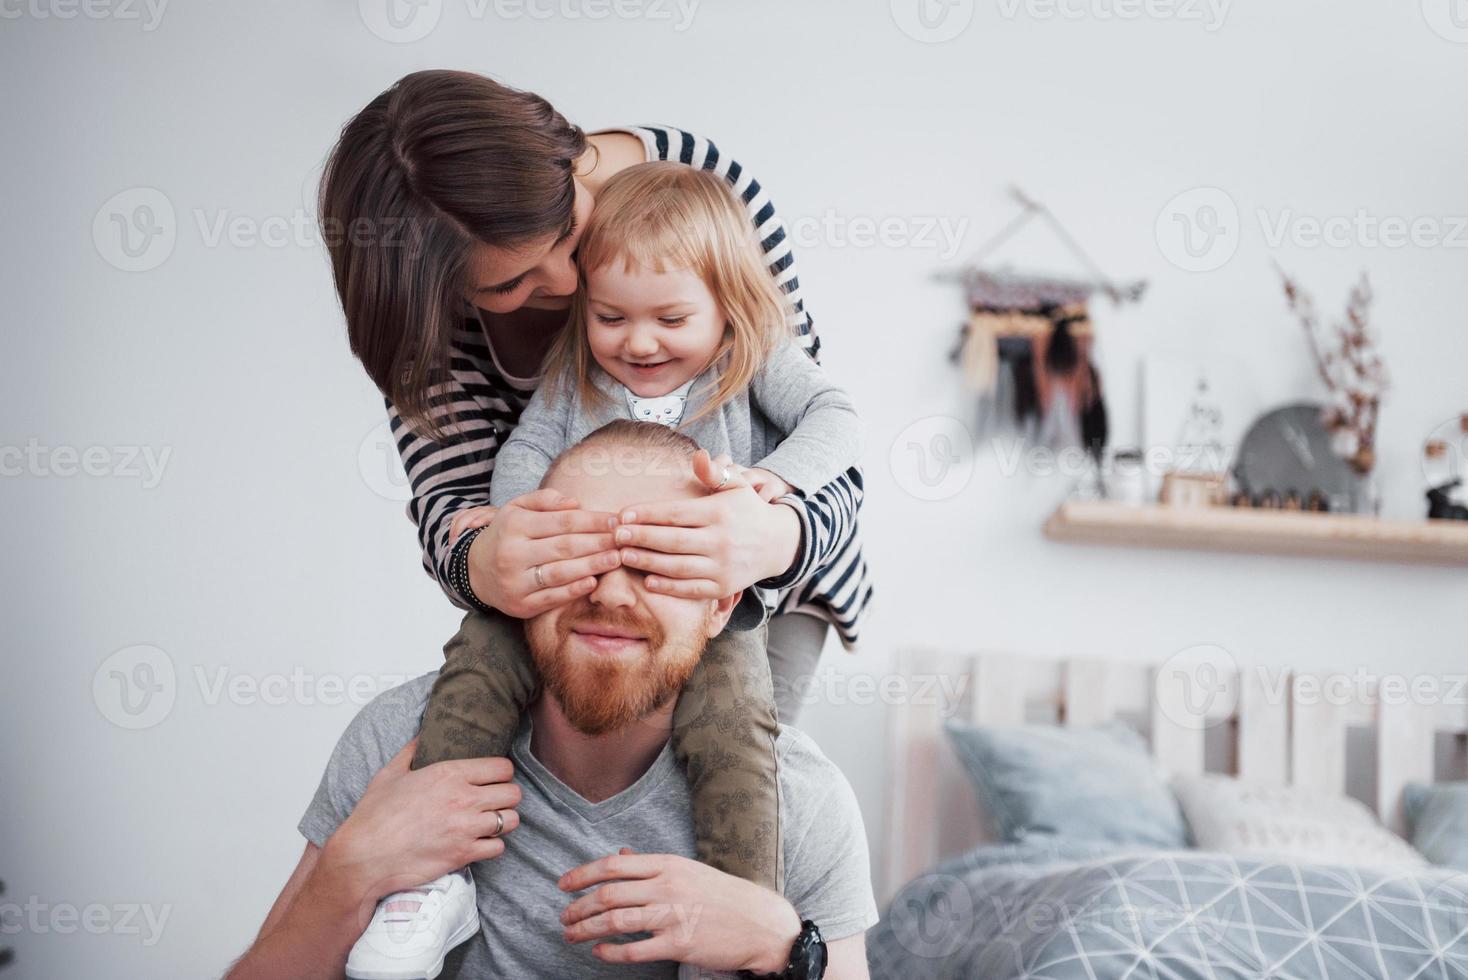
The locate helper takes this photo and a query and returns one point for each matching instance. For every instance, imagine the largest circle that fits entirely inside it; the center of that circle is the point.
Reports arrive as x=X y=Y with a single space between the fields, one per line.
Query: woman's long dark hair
x=439 y=163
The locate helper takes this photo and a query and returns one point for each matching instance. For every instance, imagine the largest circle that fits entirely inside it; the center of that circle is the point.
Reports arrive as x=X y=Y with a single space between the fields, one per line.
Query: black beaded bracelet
x=459 y=571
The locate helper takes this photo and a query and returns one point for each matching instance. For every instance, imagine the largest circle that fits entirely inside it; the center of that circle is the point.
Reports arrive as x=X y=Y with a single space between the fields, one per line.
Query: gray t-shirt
x=827 y=874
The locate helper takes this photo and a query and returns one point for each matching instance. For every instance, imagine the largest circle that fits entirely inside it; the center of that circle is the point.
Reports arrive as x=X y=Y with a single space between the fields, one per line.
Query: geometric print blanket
x=1047 y=909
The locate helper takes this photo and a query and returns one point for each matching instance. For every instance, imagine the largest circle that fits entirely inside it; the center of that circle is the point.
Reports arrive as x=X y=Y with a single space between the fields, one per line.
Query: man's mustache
x=583 y=616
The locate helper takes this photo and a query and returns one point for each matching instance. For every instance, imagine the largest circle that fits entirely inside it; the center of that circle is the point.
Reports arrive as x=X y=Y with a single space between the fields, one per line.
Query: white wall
x=265 y=550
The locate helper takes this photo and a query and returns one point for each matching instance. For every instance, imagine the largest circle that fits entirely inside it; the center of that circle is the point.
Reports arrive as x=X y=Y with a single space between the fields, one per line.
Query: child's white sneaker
x=412 y=931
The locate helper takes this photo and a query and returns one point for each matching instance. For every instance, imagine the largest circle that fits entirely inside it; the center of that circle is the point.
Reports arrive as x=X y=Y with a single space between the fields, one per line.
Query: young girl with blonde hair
x=678 y=322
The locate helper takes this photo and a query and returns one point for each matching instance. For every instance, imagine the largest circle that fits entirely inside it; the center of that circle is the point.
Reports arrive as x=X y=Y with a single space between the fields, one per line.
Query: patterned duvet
x=1060 y=911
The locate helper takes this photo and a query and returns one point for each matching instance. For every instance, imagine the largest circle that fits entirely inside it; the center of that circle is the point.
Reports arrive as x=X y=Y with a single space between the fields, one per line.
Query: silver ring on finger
x=540 y=575
x=500 y=828
x=724 y=482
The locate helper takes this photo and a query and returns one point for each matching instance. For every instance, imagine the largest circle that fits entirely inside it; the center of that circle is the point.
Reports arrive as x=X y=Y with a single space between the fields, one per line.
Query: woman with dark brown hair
x=452 y=206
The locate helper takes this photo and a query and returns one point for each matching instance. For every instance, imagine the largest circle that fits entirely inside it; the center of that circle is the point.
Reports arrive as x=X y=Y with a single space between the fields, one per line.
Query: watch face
x=1289 y=449
x=816 y=962
x=808 y=955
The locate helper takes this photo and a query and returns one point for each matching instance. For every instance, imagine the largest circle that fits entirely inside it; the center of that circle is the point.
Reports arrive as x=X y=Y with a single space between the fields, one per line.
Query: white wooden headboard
x=1276 y=726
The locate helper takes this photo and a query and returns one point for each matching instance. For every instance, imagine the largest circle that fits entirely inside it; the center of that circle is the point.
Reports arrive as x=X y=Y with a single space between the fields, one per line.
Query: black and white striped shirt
x=829 y=578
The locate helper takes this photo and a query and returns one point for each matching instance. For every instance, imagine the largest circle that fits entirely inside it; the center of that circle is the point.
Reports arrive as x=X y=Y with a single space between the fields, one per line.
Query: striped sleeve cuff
x=805 y=553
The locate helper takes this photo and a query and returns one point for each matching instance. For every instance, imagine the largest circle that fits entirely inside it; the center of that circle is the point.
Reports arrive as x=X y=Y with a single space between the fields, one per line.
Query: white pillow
x=1234 y=817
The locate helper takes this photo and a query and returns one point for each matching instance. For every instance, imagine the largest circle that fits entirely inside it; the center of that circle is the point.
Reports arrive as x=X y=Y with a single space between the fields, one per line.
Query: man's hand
x=696 y=914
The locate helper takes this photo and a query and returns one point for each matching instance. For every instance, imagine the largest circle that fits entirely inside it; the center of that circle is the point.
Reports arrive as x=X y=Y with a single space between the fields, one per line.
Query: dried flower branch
x=1351 y=367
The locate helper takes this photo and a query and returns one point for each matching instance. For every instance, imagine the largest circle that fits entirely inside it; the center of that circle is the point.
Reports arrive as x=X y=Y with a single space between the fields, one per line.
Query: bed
x=960 y=904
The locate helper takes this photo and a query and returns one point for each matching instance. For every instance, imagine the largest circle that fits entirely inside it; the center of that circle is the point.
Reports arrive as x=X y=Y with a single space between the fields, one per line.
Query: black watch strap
x=807 y=957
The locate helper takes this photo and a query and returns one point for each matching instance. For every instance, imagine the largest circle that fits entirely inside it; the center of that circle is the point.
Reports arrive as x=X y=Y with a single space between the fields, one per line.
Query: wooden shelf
x=1265 y=532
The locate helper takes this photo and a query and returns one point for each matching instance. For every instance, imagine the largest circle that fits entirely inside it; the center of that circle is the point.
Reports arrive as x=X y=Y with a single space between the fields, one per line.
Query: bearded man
x=581 y=842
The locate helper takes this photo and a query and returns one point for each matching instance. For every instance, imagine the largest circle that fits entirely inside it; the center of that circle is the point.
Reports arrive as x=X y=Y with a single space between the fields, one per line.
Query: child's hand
x=769 y=486
x=468 y=519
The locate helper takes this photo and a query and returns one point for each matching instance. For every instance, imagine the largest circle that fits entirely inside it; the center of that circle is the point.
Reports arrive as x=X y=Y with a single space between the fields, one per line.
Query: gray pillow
x=1438 y=816
x=1092 y=782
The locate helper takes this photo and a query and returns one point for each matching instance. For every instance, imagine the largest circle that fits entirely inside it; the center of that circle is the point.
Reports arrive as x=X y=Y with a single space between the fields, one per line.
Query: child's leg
x=487 y=680
x=795 y=645
x=724 y=737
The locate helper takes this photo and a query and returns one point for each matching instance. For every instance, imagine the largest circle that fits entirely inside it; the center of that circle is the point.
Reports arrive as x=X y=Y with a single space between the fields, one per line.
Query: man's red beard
x=601 y=694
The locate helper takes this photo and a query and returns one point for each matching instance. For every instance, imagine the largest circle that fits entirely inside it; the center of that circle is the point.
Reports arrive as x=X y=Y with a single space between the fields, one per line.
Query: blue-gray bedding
x=1091 y=782
x=1439 y=818
x=1057 y=910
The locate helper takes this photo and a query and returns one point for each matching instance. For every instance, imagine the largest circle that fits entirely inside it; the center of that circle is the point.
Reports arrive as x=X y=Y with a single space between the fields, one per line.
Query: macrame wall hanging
x=1027 y=347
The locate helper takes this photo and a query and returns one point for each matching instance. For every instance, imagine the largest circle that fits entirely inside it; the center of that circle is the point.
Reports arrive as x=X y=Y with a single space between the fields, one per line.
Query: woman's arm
x=454 y=475
x=827 y=523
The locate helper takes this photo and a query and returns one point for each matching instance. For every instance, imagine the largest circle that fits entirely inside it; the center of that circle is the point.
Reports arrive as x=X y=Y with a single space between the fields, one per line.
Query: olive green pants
x=724 y=732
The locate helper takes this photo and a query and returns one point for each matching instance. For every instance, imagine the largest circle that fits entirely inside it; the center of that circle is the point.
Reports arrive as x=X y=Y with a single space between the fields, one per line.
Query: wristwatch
x=807 y=958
